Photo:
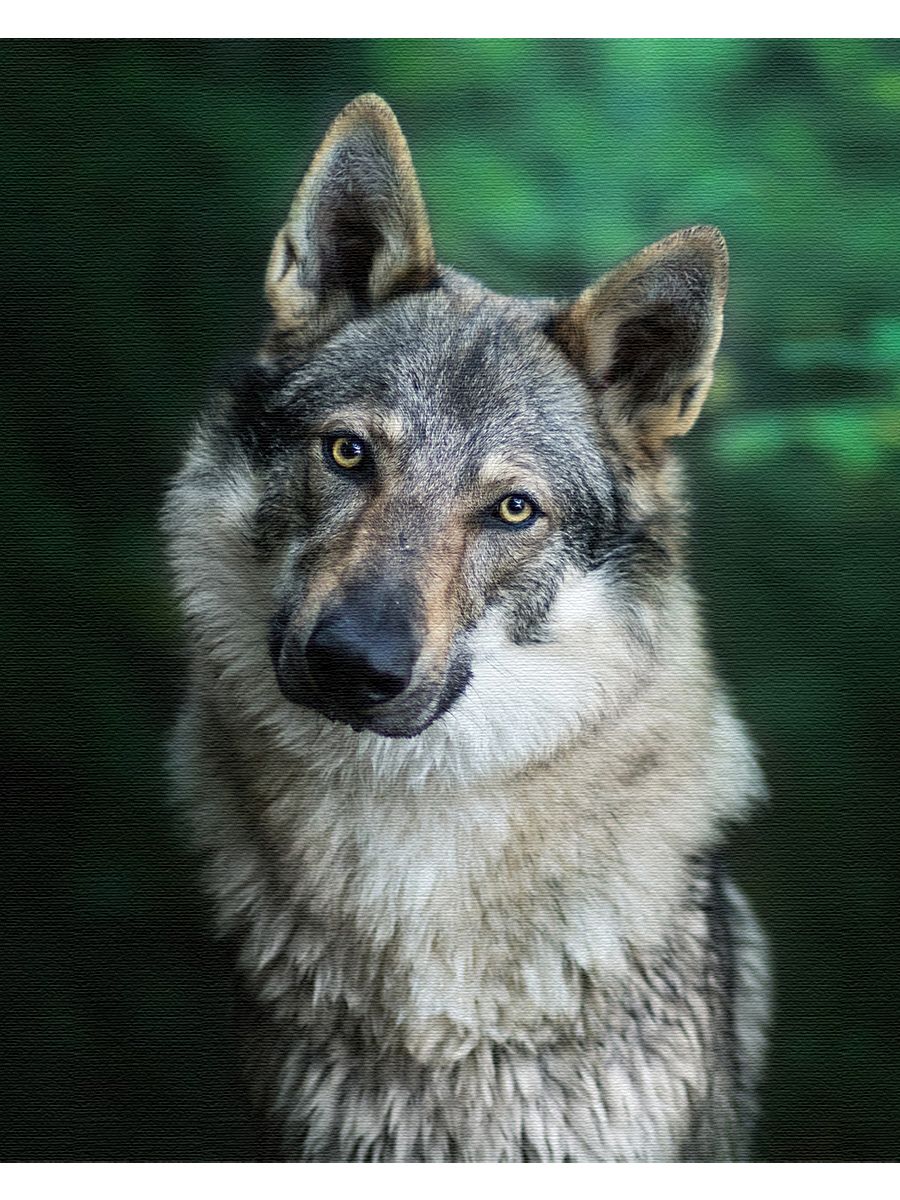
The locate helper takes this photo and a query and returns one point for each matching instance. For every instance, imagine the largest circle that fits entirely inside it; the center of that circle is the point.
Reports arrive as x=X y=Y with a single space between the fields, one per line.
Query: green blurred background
x=142 y=183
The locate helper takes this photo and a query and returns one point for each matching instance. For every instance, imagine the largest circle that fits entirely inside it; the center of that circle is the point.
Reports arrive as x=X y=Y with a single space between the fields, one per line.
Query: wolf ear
x=645 y=336
x=357 y=232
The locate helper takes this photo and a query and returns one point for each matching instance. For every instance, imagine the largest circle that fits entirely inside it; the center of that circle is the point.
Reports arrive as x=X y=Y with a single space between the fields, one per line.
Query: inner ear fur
x=646 y=334
x=357 y=231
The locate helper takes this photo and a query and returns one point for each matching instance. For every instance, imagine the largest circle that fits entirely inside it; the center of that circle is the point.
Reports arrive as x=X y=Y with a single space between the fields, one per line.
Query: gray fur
x=490 y=922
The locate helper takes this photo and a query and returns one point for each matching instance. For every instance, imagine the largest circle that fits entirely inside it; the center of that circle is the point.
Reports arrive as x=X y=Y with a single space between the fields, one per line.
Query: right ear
x=357 y=232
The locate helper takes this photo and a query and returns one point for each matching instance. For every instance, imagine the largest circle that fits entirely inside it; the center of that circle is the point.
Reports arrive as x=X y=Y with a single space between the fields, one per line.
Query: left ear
x=357 y=232
x=645 y=336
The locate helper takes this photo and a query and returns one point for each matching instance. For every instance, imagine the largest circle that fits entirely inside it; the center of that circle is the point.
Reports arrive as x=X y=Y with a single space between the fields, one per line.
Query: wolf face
x=434 y=474
x=441 y=468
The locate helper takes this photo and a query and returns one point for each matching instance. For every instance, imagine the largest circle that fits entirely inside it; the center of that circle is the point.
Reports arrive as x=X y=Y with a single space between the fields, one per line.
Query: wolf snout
x=361 y=652
x=358 y=665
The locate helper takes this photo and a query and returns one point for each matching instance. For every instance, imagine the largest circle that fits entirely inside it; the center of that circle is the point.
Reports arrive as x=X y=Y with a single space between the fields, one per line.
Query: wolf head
x=424 y=498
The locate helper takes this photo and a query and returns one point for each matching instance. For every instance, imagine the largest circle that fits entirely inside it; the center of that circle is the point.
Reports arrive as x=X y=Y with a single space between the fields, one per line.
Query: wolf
x=454 y=755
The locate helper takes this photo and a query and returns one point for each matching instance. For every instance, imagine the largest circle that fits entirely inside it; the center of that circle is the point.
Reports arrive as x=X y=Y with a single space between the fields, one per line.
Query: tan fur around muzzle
x=427 y=569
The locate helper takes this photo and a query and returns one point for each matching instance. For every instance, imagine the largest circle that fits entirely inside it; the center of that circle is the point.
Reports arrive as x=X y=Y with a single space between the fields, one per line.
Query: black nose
x=363 y=651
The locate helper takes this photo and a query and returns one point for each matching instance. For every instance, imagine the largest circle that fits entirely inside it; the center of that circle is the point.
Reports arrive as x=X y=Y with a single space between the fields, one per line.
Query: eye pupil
x=347 y=452
x=515 y=510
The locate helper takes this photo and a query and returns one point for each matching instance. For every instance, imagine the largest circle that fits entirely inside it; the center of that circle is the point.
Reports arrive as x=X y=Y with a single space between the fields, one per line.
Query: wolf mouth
x=382 y=723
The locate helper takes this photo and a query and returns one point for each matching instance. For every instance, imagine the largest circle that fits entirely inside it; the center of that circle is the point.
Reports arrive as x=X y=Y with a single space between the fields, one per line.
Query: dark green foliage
x=142 y=183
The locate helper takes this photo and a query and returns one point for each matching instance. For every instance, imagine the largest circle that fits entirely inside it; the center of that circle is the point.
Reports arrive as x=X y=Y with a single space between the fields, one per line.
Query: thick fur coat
x=484 y=918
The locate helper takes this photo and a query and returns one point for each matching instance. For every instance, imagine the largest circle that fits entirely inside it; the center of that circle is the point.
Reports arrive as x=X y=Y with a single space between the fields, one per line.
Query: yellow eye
x=516 y=510
x=348 y=452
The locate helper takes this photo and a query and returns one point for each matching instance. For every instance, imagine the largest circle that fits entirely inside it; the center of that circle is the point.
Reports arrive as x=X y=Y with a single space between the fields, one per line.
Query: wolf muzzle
x=360 y=655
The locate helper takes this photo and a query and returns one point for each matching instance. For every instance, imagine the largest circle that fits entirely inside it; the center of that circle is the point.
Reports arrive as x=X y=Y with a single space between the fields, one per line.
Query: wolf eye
x=516 y=510
x=347 y=451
